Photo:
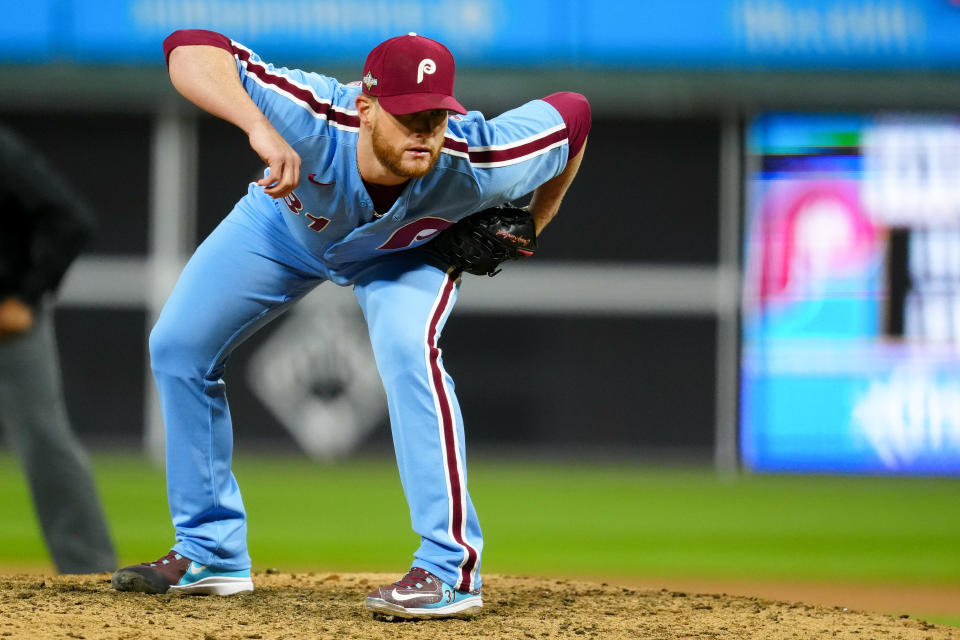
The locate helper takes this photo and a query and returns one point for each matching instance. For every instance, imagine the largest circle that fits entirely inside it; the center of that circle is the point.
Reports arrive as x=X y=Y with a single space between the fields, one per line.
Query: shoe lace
x=413 y=577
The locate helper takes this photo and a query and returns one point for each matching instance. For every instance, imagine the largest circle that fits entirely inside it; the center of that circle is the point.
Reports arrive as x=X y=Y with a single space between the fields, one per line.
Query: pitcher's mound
x=323 y=605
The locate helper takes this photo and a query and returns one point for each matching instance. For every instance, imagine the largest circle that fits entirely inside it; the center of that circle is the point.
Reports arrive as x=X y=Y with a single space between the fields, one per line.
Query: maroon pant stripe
x=457 y=490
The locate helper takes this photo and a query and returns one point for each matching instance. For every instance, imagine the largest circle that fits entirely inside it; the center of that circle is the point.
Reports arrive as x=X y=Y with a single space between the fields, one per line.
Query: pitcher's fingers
x=273 y=184
x=283 y=179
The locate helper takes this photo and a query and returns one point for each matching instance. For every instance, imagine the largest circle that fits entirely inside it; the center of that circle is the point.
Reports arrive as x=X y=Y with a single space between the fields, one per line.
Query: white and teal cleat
x=420 y=594
x=176 y=573
x=203 y=579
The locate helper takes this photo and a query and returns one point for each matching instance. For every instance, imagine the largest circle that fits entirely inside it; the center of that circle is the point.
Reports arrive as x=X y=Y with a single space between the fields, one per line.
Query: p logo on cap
x=411 y=73
x=426 y=66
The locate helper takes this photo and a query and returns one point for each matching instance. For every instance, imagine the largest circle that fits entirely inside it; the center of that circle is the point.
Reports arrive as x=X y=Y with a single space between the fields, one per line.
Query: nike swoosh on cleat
x=322 y=184
x=196 y=569
x=410 y=596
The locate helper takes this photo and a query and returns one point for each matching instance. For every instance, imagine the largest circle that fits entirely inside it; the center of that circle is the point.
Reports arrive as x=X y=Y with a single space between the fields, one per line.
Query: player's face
x=408 y=145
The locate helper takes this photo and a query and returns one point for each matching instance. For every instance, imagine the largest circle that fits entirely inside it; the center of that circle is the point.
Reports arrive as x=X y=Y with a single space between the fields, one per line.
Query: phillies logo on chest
x=414 y=232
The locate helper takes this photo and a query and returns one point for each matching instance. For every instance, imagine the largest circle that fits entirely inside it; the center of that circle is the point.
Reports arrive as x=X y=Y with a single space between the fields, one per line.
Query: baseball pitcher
x=376 y=185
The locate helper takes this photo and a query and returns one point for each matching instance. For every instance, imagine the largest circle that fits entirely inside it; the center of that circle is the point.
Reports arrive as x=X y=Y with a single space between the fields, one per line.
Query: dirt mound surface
x=331 y=606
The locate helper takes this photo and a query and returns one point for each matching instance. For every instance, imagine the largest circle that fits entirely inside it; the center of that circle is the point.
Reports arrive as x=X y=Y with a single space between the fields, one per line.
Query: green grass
x=950 y=621
x=551 y=519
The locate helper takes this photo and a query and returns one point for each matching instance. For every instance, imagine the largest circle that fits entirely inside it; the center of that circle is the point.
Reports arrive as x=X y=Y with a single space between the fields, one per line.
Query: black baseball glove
x=479 y=243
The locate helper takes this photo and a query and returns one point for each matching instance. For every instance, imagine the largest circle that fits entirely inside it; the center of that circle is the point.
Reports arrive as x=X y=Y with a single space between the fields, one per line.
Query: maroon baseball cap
x=411 y=73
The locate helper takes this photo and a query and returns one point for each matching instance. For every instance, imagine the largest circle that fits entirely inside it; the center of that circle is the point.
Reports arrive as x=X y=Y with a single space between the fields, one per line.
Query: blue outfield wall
x=636 y=34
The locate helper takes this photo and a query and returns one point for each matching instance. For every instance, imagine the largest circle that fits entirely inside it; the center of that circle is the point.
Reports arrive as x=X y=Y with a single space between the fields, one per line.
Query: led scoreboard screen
x=850 y=355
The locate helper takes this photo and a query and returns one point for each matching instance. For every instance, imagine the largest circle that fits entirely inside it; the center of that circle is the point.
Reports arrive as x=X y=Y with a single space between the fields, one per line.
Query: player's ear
x=366 y=108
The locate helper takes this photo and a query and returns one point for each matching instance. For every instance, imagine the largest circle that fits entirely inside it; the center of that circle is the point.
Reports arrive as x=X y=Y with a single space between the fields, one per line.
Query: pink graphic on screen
x=811 y=231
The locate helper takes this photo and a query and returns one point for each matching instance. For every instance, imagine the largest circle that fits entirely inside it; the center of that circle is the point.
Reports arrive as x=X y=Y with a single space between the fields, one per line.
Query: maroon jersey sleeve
x=195 y=36
x=575 y=111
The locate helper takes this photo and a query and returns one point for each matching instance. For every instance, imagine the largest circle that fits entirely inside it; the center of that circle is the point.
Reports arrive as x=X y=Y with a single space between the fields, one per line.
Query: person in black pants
x=43 y=226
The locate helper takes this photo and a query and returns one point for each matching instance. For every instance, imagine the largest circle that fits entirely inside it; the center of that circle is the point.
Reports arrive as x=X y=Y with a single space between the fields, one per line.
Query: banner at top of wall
x=636 y=34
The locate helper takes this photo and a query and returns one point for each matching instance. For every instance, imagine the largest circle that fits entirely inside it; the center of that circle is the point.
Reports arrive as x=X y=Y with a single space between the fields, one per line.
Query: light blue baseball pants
x=245 y=274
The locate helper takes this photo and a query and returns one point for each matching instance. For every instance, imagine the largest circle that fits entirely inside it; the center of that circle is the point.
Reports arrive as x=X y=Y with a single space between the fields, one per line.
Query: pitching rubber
x=215 y=586
x=466 y=608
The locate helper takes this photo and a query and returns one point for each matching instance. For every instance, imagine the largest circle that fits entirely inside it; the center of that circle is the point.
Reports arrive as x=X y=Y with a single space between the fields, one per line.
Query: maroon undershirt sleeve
x=195 y=36
x=575 y=111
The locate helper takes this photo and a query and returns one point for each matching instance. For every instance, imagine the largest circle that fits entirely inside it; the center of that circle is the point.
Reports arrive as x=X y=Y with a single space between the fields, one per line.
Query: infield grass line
x=549 y=519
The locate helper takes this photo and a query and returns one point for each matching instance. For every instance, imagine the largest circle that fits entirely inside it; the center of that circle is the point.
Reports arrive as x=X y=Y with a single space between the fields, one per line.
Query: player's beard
x=392 y=159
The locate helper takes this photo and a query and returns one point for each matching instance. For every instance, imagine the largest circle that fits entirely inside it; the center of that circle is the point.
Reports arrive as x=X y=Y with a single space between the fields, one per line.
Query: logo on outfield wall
x=326 y=390
x=910 y=414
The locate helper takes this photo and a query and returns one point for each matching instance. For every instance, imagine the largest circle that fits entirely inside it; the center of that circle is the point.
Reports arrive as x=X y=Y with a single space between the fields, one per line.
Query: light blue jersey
x=483 y=163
